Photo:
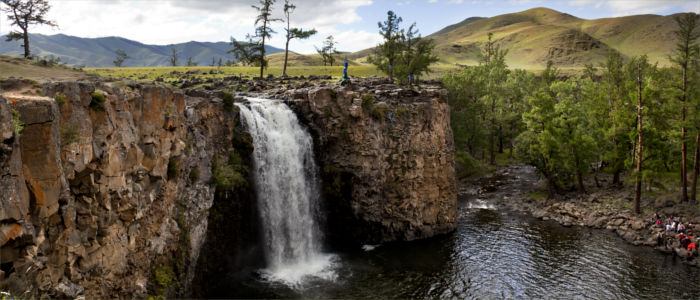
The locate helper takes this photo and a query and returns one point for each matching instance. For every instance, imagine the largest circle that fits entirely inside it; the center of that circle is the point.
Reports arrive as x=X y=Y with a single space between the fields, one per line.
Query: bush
x=17 y=125
x=173 y=168
x=466 y=164
x=98 y=101
x=60 y=98
x=229 y=175
x=228 y=101
x=194 y=175
x=367 y=102
x=378 y=113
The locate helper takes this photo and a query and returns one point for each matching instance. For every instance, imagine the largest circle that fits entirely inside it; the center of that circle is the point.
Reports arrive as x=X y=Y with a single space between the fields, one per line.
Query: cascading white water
x=287 y=192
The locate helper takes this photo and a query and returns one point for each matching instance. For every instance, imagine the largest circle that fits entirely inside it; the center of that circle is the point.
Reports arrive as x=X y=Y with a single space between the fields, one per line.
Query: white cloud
x=619 y=8
x=176 y=21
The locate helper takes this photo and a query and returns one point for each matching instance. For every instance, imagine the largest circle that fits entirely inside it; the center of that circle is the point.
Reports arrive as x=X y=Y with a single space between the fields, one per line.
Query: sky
x=353 y=23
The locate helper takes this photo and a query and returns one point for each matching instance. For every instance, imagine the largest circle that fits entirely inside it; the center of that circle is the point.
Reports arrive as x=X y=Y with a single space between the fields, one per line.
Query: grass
x=166 y=73
x=22 y=68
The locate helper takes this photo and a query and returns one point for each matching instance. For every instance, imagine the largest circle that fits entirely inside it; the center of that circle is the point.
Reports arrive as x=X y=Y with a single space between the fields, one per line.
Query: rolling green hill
x=99 y=52
x=540 y=34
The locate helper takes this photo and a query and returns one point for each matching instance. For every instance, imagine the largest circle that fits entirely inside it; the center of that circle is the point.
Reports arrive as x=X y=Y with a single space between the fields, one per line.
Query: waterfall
x=287 y=191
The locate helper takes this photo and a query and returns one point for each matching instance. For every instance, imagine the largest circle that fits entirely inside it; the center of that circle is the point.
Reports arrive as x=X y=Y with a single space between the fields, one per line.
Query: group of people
x=675 y=234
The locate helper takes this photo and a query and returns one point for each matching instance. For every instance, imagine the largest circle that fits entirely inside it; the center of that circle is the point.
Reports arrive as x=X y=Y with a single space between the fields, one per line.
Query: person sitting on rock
x=681 y=228
x=691 y=248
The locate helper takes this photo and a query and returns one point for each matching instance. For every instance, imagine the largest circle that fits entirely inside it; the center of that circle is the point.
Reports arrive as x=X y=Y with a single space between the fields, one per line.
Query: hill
x=540 y=34
x=22 y=68
x=99 y=52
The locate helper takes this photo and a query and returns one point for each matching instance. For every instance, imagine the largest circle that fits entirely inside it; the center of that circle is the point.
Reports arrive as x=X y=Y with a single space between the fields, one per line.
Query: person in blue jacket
x=345 y=80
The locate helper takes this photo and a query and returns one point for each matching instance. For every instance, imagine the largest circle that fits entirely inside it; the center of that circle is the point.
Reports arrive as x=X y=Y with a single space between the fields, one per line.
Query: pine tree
x=174 y=57
x=685 y=56
x=264 y=31
x=388 y=52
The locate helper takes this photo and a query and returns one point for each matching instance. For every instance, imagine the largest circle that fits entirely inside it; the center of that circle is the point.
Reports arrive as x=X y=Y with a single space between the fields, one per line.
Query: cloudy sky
x=353 y=23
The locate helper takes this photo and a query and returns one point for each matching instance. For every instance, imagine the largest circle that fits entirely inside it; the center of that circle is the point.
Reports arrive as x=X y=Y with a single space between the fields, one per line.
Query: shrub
x=378 y=113
x=194 y=175
x=367 y=102
x=228 y=101
x=17 y=125
x=229 y=175
x=98 y=101
x=60 y=98
x=173 y=168
x=466 y=164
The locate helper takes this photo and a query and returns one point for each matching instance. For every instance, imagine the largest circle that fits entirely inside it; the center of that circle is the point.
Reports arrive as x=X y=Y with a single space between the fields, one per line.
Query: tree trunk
x=27 y=53
x=492 y=143
x=638 y=183
x=696 y=167
x=286 y=54
x=262 y=50
x=684 y=144
x=550 y=181
x=500 y=139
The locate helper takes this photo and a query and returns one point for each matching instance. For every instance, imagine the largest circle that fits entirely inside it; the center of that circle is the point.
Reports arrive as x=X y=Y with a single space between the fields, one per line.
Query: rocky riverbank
x=607 y=209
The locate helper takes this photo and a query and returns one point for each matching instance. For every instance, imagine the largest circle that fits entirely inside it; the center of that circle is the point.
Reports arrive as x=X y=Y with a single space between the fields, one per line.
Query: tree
x=24 y=13
x=121 y=57
x=213 y=62
x=415 y=56
x=292 y=33
x=387 y=53
x=641 y=65
x=327 y=50
x=613 y=85
x=685 y=55
x=174 y=57
x=247 y=53
x=190 y=62
x=219 y=63
x=263 y=30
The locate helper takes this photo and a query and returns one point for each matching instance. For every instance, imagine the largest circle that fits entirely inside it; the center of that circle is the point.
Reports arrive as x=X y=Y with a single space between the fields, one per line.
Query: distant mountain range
x=99 y=52
x=537 y=35
x=532 y=37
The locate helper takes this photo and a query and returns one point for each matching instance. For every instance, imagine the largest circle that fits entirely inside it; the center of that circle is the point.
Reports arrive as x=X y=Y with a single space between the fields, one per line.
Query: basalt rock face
x=386 y=156
x=106 y=200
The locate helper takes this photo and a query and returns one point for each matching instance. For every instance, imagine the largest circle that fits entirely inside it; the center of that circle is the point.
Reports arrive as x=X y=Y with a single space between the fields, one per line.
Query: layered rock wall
x=386 y=155
x=102 y=200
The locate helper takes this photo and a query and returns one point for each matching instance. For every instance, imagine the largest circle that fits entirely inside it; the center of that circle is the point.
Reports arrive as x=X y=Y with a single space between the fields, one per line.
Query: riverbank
x=601 y=208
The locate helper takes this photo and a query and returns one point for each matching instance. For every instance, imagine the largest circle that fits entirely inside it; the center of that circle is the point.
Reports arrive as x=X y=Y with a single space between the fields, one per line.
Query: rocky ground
x=516 y=188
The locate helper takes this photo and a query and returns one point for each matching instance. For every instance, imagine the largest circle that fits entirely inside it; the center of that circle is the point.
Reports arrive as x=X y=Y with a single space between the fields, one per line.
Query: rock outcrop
x=105 y=191
x=386 y=155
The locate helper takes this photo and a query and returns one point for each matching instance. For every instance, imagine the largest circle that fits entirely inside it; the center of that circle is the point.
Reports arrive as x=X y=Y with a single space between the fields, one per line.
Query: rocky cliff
x=105 y=190
x=387 y=159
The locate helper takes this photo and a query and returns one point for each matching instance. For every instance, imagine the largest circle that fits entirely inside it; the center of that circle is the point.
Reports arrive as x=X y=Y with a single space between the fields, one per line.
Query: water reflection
x=499 y=255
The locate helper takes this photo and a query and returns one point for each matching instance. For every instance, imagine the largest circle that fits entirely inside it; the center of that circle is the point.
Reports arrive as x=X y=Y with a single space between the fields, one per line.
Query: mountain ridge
x=99 y=52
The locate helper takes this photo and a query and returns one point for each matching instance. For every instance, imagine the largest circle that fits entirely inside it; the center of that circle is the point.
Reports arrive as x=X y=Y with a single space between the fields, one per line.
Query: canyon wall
x=386 y=155
x=106 y=189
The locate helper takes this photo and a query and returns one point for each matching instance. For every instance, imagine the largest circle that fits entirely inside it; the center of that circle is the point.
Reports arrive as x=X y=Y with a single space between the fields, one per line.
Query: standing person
x=345 y=80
